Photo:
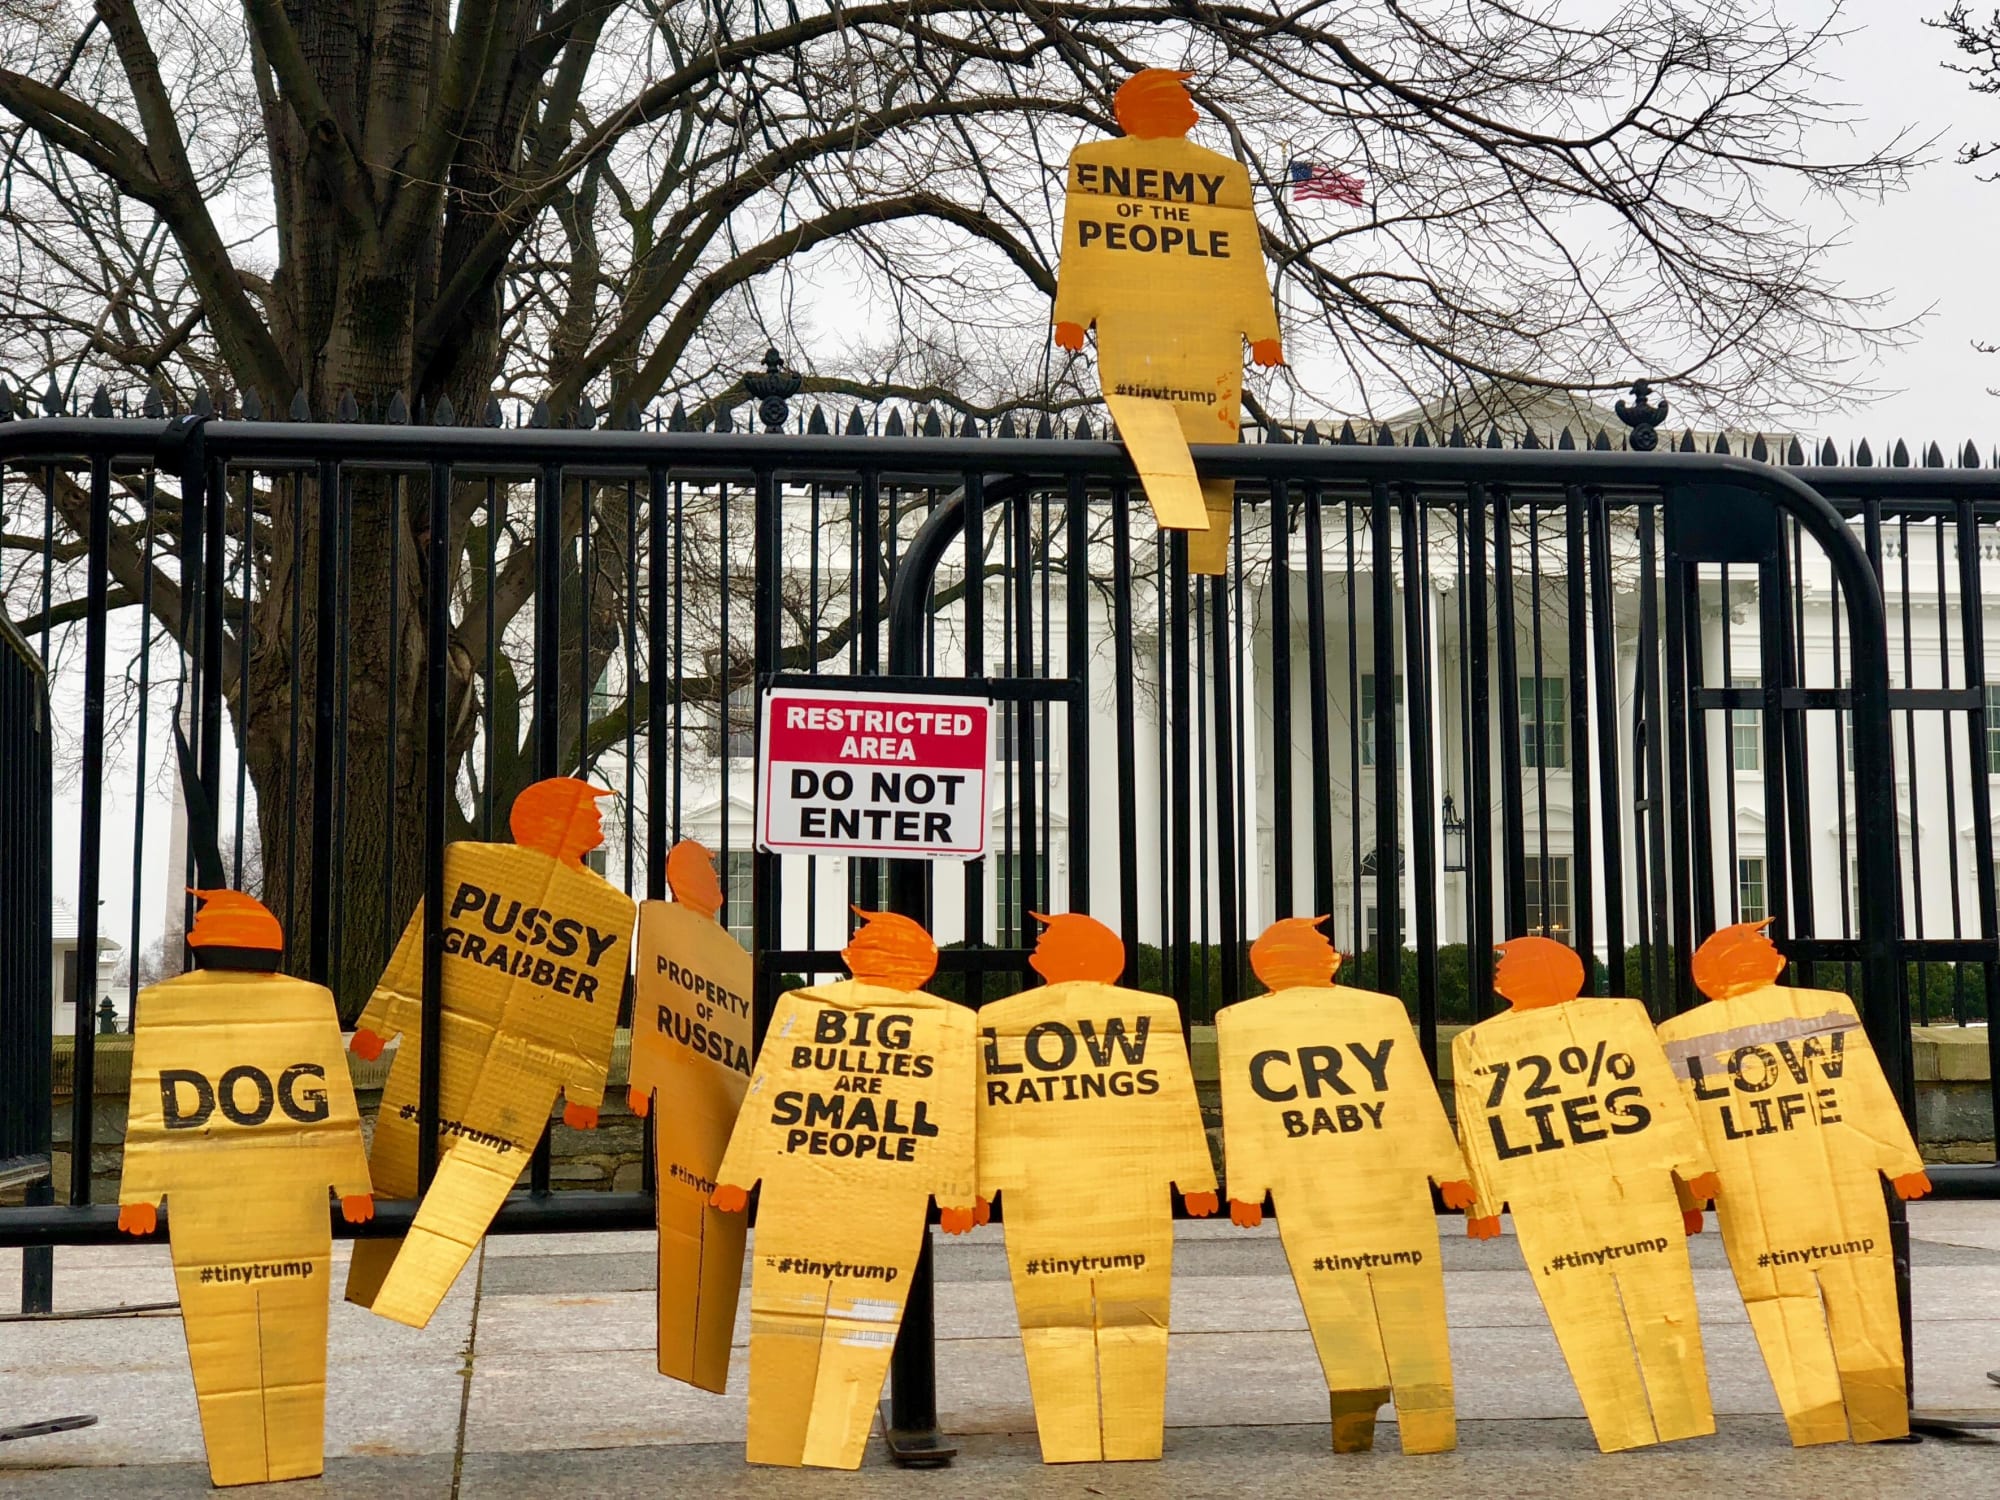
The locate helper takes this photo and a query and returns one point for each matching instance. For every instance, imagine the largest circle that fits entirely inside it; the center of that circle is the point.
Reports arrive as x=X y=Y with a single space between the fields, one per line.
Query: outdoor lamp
x=1454 y=838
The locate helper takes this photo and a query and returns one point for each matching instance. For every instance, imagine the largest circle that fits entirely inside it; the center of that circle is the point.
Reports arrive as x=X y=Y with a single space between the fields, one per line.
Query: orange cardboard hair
x=1153 y=105
x=559 y=817
x=1736 y=960
x=691 y=877
x=230 y=919
x=1075 y=946
x=1537 y=971
x=1294 y=954
x=890 y=949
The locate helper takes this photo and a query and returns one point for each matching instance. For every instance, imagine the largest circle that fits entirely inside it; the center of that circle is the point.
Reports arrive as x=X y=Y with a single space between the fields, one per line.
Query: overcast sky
x=1933 y=247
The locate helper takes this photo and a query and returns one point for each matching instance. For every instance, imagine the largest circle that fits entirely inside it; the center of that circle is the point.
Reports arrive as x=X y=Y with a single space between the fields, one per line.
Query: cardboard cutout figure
x=1803 y=1126
x=691 y=1044
x=242 y=1116
x=858 y=1114
x=1087 y=1121
x=1327 y=1105
x=534 y=967
x=1569 y=1113
x=1162 y=252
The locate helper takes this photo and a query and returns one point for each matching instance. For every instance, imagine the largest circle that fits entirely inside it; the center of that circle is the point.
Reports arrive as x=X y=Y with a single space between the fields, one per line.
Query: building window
x=1373 y=917
x=1992 y=729
x=1548 y=897
x=1015 y=720
x=1011 y=900
x=736 y=866
x=740 y=728
x=1368 y=718
x=1750 y=890
x=1746 y=731
x=1542 y=742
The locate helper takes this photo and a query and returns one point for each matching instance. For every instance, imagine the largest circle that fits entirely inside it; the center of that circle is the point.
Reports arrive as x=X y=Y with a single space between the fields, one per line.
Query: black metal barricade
x=1363 y=658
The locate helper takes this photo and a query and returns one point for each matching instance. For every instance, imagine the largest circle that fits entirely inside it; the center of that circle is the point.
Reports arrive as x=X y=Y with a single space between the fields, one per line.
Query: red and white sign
x=879 y=773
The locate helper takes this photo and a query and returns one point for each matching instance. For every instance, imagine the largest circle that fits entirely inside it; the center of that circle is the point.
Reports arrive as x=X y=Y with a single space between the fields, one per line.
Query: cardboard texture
x=691 y=1051
x=1803 y=1126
x=859 y=1112
x=535 y=949
x=1162 y=252
x=1327 y=1106
x=1568 y=1113
x=1087 y=1121
x=242 y=1116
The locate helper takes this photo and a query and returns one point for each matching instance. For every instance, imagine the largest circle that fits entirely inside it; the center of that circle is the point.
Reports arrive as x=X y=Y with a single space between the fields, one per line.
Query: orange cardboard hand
x=358 y=1208
x=1201 y=1205
x=367 y=1045
x=982 y=1210
x=1691 y=1221
x=1245 y=1215
x=1267 y=352
x=1457 y=1194
x=640 y=1102
x=580 y=1116
x=1705 y=1188
x=1911 y=1185
x=1070 y=336
x=1482 y=1229
x=729 y=1198
x=138 y=1218
x=957 y=1220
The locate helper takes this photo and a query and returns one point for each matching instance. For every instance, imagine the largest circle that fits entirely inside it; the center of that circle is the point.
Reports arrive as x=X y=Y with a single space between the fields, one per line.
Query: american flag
x=1313 y=181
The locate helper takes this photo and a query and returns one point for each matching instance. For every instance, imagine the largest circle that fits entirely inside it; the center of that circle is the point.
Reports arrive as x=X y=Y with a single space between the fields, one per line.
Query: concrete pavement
x=537 y=1376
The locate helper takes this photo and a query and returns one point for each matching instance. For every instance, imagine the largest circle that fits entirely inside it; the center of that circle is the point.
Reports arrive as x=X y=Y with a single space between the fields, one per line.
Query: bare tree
x=623 y=200
x=1978 y=41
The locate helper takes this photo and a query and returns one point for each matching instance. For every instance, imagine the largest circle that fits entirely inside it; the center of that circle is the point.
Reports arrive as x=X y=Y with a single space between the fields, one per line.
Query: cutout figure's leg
x=1791 y=1327
x=787 y=1329
x=1208 y=551
x=1658 y=1297
x=256 y=1333
x=863 y=1312
x=1589 y=1321
x=1867 y=1344
x=1058 y=1317
x=1341 y=1314
x=1132 y=1311
x=701 y=1268
x=1409 y=1312
x=473 y=1179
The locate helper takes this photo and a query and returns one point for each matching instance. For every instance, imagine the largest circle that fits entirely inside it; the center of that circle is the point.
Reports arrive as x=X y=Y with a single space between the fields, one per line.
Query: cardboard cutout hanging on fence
x=1803 y=1126
x=1569 y=1114
x=1162 y=252
x=691 y=1048
x=1087 y=1122
x=242 y=1116
x=534 y=969
x=1328 y=1106
x=858 y=1114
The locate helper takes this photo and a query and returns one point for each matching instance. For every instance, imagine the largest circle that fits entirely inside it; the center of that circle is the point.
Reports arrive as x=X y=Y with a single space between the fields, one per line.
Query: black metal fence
x=1443 y=694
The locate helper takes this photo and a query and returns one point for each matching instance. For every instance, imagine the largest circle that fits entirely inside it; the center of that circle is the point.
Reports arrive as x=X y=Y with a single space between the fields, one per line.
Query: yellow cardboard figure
x=534 y=967
x=1087 y=1121
x=1162 y=252
x=1803 y=1126
x=1569 y=1113
x=1327 y=1105
x=858 y=1114
x=242 y=1115
x=691 y=1045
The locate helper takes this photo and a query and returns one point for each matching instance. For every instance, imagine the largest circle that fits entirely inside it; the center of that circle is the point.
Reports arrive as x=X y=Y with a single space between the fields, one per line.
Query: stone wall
x=1954 y=1108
